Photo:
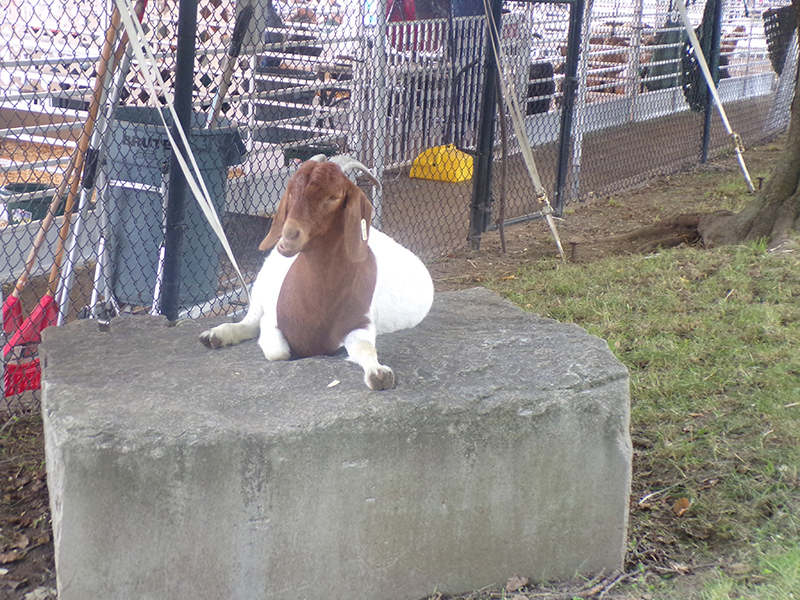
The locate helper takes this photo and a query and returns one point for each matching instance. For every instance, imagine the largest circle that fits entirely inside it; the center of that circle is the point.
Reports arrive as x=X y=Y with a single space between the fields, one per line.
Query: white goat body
x=309 y=259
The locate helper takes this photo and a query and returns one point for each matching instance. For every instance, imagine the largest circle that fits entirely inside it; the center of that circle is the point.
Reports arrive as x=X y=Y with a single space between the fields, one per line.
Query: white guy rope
x=712 y=88
x=515 y=113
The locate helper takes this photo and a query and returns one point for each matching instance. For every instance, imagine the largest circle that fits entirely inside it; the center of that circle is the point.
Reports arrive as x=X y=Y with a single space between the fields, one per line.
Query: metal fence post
x=176 y=195
x=482 y=173
x=713 y=66
x=568 y=103
x=577 y=126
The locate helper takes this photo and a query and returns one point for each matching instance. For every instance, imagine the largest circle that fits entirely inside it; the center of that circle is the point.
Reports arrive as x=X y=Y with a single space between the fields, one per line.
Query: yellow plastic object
x=442 y=163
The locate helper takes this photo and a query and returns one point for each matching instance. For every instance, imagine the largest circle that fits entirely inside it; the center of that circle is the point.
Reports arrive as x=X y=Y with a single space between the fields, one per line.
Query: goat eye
x=334 y=199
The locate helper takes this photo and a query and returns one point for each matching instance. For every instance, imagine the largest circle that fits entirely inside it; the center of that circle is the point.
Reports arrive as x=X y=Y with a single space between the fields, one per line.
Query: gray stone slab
x=183 y=473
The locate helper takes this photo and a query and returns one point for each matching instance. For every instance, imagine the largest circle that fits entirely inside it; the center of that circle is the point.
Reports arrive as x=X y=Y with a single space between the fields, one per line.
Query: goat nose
x=291 y=233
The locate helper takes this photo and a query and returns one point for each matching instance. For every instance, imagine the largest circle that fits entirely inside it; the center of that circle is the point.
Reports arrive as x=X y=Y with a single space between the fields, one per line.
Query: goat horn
x=346 y=163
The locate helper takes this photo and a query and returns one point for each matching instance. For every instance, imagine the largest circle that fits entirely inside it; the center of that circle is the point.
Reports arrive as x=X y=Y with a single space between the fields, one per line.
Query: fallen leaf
x=738 y=569
x=10 y=557
x=680 y=568
x=519 y=597
x=21 y=542
x=641 y=442
x=699 y=534
x=15 y=584
x=23 y=521
x=680 y=507
x=516 y=583
x=42 y=593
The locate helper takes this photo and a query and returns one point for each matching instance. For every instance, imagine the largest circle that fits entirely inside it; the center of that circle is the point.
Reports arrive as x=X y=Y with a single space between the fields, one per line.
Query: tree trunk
x=774 y=212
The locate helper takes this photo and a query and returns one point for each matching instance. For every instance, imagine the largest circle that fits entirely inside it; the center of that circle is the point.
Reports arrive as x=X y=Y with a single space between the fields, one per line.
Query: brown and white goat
x=331 y=280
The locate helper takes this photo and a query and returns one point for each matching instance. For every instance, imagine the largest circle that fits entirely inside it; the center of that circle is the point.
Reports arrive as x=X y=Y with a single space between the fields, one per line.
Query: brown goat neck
x=324 y=297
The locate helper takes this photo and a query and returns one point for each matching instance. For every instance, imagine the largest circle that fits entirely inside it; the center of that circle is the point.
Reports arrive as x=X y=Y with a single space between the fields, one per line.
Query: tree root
x=681 y=229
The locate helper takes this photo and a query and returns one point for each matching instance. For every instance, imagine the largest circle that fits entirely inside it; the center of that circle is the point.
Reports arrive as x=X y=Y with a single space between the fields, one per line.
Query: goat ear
x=357 y=217
x=276 y=229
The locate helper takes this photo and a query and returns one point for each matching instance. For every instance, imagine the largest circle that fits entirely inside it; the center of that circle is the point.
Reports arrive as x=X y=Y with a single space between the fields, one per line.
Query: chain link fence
x=397 y=84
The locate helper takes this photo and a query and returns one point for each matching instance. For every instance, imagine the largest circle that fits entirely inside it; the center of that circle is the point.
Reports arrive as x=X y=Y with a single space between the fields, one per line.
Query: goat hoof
x=210 y=340
x=381 y=378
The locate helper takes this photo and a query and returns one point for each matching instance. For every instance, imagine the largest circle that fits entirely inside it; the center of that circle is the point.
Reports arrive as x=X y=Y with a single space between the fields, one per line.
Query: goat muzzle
x=292 y=239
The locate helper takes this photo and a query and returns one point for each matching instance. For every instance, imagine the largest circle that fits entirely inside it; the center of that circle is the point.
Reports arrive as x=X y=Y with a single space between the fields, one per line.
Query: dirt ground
x=26 y=546
x=26 y=550
x=586 y=227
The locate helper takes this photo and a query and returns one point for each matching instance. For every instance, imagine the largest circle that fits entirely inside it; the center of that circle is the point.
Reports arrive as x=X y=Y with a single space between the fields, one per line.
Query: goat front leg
x=230 y=334
x=360 y=346
x=257 y=324
x=272 y=341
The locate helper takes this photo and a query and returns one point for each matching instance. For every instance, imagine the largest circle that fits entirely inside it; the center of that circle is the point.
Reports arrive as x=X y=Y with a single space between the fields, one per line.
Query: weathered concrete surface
x=183 y=473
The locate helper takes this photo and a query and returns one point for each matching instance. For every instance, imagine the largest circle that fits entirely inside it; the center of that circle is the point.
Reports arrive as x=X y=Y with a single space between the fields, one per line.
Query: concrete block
x=182 y=473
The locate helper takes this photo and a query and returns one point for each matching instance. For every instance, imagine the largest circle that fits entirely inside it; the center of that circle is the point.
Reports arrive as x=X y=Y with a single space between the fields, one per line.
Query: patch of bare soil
x=26 y=550
x=604 y=226
x=27 y=569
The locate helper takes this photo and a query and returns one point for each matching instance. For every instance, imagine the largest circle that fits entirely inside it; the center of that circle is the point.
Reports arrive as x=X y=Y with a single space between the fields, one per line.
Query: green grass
x=712 y=343
x=777 y=577
x=729 y=193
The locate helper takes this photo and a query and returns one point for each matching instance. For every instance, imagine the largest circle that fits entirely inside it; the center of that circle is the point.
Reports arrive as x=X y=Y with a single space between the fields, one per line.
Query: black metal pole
x=568 y=104
x=176 y=195
x=481 y=205
x=713 y=66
